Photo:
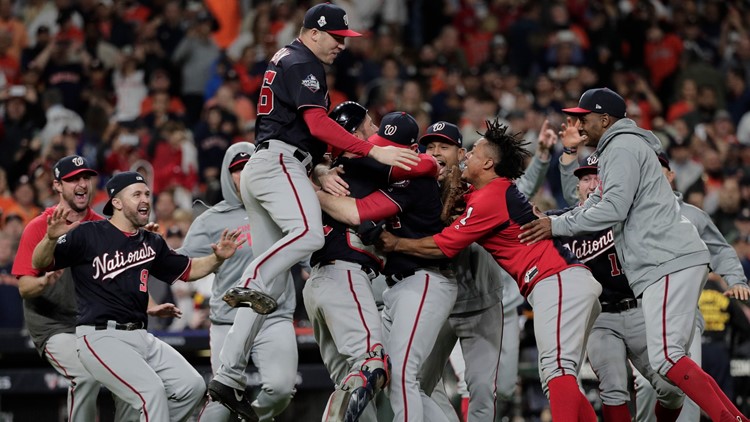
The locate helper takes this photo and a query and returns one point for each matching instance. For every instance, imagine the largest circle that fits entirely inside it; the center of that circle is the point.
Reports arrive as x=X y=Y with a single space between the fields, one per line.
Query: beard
x=135 y=218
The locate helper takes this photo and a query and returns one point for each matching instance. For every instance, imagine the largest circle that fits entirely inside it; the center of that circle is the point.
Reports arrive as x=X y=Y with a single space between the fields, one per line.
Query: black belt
x=128 y=326
x=371 y=272
x=392 y=279
x=298 y=154
x=620 y=306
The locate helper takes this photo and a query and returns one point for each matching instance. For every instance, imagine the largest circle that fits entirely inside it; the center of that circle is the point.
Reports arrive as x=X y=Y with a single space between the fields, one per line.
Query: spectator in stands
x=11 y=304
x=25 y=205
x=159 y=81
x=20 y=122
x=129 y=83
x=211 y=142
x=177 y=160
x=170 y=30
x=195 y=55
x=12 y=26
x=13 y=226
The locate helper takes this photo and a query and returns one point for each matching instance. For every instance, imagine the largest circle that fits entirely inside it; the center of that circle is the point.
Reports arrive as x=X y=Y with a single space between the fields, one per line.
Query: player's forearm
x=423 y=248
x=324 y=128
x=30 y=287
x=340 y=208
x=44 y=253
x=203 y=266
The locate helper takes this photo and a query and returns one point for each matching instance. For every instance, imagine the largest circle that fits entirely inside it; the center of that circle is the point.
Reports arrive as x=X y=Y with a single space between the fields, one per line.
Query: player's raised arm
x=57 y=225
x=223 y=250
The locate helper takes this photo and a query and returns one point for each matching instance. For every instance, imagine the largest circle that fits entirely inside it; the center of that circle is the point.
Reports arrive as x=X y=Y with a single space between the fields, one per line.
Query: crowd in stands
x=164 y=86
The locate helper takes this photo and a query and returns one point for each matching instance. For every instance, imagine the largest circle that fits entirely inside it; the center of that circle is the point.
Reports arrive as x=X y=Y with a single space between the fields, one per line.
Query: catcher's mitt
x=453 y=195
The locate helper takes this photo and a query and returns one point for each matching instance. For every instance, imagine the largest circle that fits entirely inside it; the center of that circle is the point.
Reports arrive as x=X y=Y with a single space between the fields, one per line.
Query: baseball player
x=619 y=332
x=338 y=295
x=724 y=262
x=420 y=296
x=49 y=299
x=275 y=351
x=660 y=252
x=110 y=261
x=562 y=292
x=292 y=131
x=479 y=301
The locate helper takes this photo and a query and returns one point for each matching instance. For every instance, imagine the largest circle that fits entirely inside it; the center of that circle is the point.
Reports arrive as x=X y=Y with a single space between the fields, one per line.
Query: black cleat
x=233 y=399
x=242 y=297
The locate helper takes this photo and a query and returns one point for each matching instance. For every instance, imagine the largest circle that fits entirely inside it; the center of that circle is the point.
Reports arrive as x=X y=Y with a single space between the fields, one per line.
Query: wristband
x=570 y=151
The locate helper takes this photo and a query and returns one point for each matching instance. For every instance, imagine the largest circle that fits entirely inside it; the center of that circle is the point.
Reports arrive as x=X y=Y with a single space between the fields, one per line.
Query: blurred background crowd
x=164 y=86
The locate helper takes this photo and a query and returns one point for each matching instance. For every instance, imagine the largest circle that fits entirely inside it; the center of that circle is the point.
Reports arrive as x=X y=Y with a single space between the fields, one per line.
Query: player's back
x=527 y=264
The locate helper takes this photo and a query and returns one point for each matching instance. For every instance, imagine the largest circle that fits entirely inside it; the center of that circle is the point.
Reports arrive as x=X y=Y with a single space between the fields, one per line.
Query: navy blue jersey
x=111 y=268
x=364 y=175
x=294 y=80
x=419 y=216
x=597 y=251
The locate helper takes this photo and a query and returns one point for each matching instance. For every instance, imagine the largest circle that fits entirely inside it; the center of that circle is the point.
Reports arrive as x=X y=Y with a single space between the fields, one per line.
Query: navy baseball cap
x=442 y=132
x=397 y=128
x=119 y=182
x=70 y=166
x=601 y=101
x=591 y=167
x=330 y=18
x=239 y=160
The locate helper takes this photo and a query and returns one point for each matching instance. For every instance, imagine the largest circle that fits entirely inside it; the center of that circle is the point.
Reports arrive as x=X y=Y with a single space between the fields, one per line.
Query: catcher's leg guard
x=351 y=398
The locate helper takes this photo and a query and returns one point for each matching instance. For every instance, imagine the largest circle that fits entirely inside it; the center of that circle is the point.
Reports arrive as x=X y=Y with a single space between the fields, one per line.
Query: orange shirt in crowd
x=19 y=39
x=175 y=106
x=663 y=58
x=228 y=14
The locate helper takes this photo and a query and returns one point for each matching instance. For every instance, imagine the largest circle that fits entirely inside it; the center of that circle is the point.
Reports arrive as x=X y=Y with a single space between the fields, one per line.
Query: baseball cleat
x=242 y=297
x=233 y=399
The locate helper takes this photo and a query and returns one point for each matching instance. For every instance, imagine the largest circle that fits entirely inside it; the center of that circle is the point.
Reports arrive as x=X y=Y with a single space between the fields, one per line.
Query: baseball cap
x=664 y=160
x=601 y=101
x=397 y=128
x=330 y=18
x=70 y=166
x=591 y=167
x=239 y=160
x=443 y=132
x=119 y=182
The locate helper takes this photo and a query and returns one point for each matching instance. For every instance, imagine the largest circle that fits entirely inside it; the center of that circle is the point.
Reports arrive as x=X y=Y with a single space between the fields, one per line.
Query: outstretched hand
x=738 y=291
x=536 y=230
x=547 y=137
x=227 y=246
x=570 y=135
x=331 y=182
x=165 y=310
x=57 y=223
x=395 y=156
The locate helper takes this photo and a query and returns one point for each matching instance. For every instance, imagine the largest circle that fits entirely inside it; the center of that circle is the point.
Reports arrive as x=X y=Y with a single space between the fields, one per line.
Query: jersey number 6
x=265 y=100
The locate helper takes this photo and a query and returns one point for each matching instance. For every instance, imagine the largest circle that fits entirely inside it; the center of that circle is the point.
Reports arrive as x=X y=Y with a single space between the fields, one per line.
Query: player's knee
x=615 y=396
x=315 y=239
x=194 y=387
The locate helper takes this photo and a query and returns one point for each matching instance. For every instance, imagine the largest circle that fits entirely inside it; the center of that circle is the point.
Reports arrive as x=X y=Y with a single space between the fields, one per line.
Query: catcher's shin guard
x=359 y=387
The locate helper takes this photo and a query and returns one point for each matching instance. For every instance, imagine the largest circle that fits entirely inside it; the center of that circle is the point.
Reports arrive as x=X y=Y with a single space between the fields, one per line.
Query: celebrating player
x=661 y=253
x=420 y=295
x=110 y=261
x=562 y=292
x=52 y=328
x=292 y=131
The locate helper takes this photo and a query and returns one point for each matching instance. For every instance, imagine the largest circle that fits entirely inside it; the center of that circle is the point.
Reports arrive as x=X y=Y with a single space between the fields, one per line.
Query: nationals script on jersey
x=111 y=268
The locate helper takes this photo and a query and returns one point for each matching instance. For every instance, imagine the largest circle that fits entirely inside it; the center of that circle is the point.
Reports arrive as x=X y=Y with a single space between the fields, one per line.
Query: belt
x=392 y=279
x=300 y=155
x=620 y=306
x=371 y=272
x=128 y=326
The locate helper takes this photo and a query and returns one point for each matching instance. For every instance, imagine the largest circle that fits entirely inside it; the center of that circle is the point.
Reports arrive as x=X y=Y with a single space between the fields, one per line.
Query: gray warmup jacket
x=207 y=228
x=634 y=198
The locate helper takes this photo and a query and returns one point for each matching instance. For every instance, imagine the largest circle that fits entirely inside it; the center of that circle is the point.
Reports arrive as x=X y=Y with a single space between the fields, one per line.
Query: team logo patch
x=390 y=130
x=311 y=83
x=322 y=21
x=57 y=173
x=399 y=184
x=530 y=274
x=62 y=239
x=78 y=161
x=438 y=126
x=346 y=20
x=593 y=159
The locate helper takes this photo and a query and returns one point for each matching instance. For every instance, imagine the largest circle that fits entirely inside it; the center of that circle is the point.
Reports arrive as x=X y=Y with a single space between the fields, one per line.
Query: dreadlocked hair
x=510 y=149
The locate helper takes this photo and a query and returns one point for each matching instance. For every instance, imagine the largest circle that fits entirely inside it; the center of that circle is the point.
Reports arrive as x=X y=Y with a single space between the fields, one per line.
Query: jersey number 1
x=613 y=262
x=144 y=281
x=265 y=100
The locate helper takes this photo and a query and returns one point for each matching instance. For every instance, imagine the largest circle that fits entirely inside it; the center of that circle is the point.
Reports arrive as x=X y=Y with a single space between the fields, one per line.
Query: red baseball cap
x=330 y=18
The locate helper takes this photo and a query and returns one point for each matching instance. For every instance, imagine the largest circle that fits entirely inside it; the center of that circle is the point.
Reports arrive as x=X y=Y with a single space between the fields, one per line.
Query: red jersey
x=493 y=218
x=32 y=235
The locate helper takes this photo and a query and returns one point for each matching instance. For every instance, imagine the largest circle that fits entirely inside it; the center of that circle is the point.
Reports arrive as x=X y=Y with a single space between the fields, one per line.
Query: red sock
x=697 y=385
x=565 y=398
x=586 y=412
x=619 y=413
x=465 y=409
x=666 y=415
x=728 y=404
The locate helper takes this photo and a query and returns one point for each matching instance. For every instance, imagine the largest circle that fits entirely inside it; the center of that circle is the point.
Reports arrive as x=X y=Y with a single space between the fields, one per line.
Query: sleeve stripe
x=391 y=199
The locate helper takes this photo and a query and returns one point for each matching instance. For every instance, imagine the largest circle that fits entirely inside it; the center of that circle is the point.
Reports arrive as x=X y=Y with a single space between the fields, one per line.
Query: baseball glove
x=454 y=190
